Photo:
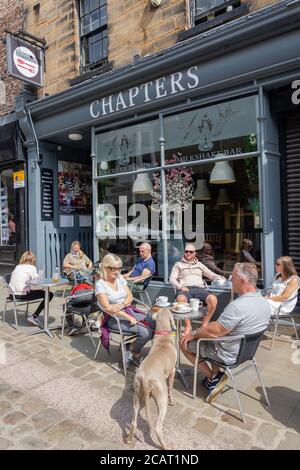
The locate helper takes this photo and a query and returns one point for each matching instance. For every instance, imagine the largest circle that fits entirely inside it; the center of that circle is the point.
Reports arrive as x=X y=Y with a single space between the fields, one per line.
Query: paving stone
x=22 y=429
x=187 y=417
x=15 y=395
x=34 y=443
x=267 y=433
x=205 y=426
x=81 y=371
x=48 y=362
x=290 y=441
x=5 y=406
x=4 y=388
x=14 y=417
x=235 y=420
x=31 y=405
x=86 y=434
x=80 y=361
x=4 y=444
x=71 y=443
x=45 y=418
x=91 y=377
x=235 y=437
x=58 y=431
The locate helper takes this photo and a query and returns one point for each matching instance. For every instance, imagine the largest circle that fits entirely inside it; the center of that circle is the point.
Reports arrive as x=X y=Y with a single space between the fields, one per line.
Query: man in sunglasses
x=187 y=278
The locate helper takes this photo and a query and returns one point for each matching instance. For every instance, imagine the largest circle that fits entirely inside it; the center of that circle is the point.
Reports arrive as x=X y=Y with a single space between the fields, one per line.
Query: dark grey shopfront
x=154 y=117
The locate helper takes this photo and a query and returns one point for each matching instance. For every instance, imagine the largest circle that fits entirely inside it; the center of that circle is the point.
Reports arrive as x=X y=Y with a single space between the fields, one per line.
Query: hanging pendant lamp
x=222 y=173
x=202 y=192
x=142 y=184
x=223 y=198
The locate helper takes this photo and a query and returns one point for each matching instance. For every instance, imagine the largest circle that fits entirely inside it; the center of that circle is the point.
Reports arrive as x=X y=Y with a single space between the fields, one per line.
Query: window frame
x=84 y=37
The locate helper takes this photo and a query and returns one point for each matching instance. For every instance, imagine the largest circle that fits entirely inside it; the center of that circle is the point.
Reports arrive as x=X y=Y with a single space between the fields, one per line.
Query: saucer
x=163 y=305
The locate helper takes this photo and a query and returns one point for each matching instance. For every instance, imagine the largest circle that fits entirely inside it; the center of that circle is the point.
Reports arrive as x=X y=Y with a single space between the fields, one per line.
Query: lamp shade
x=104 y=165
x=223 y=198
x=202 y=192
x=222 y=173
x=142 y=184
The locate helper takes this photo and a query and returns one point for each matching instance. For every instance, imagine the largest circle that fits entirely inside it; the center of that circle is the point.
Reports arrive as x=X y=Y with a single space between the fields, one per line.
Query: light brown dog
x=156 y=370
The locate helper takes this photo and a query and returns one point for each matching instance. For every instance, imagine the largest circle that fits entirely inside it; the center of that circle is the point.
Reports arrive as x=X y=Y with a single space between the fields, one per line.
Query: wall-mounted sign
x=25 y=61
x=19 y=179
x=46 y=194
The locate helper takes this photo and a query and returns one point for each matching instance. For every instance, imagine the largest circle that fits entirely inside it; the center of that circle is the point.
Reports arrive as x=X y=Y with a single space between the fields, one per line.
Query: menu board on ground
x=47 y=194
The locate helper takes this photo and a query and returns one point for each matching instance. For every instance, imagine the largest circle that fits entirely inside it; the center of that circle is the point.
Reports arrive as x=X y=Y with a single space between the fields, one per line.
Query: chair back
x=146 y=282
x=81 y=302
x=6 y=278
x=285 y=303
x=248 y=347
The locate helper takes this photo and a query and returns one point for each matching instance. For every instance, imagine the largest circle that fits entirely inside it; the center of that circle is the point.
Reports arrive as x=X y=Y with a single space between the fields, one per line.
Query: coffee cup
x=195 y=304
x=162 y=300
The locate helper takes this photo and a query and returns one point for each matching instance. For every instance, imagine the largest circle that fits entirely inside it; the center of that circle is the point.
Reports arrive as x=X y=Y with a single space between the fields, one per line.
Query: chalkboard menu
x=47 y=194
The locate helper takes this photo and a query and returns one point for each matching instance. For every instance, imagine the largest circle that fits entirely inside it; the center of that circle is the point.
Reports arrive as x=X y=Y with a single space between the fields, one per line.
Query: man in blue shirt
x=144 y=267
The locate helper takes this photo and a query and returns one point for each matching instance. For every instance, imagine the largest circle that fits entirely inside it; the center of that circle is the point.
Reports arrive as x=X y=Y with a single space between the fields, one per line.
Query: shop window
x=131 y=148
x=93 y=33
x=8 y=224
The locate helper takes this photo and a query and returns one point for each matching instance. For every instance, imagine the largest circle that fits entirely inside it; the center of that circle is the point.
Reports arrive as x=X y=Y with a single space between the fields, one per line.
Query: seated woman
x=115 y=298
x=246 y=256
x=22 y=276
x=77 y=261
x=284 y=287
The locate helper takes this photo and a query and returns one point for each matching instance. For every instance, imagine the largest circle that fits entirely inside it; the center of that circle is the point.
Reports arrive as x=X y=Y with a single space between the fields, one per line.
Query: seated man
x=187 y=278
x=248 y=314
x=144 y=267
x=206 y=257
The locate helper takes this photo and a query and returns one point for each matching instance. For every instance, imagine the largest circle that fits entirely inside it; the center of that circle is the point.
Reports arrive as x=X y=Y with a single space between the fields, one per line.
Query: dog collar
x=162 y=333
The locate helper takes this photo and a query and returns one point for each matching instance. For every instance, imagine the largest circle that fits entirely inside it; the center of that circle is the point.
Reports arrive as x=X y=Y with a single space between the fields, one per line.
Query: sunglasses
x=113 y=268
x=189 y=251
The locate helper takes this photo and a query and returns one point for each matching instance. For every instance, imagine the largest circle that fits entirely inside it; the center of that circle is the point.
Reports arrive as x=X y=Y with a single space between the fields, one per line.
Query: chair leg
x=89 y=330
x=26 y=312
x=236 y=394
x=148 y=298
x=123 y=355
x=295 y=329
x=4 y=311
x=261 y=383
x=63 y=323
x=97 y=350
x=195 y=373
x=15 y=315
x=274 y=333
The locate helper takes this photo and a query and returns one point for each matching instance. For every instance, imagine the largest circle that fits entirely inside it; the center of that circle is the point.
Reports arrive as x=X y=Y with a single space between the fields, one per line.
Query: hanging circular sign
x=26 y=62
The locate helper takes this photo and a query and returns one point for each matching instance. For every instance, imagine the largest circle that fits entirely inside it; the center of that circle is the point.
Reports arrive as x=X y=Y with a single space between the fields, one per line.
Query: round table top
x=48 y=282
x=192 y=315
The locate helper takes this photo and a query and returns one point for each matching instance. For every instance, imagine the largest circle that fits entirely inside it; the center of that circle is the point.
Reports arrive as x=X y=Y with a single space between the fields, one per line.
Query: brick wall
x=57 y=22
x=11 y=15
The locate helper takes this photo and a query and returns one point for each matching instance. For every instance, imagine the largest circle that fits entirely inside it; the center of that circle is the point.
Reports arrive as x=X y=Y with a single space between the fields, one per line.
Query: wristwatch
x=193 y=333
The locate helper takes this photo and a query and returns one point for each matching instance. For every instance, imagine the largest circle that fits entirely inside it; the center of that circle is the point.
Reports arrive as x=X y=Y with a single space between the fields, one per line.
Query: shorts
x=206 y=349
x=195 y=293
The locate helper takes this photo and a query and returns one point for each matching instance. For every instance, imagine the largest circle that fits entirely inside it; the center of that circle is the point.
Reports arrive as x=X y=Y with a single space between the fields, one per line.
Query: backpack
x=83 y=305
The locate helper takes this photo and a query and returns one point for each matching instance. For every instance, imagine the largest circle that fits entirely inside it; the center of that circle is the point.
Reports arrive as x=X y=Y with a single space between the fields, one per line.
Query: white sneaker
x=34 y=321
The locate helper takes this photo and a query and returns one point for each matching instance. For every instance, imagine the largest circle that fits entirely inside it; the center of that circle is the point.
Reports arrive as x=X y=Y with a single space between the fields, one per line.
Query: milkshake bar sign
x=154 y=90
x=25 y=61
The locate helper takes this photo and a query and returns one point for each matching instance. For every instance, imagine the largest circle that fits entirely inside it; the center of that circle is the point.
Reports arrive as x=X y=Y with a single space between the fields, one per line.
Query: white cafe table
x=179 y=317
x=46 y=284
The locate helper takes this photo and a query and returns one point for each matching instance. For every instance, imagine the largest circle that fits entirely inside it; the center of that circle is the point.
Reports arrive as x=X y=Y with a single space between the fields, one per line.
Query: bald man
x=187 y=278
x=145 y=265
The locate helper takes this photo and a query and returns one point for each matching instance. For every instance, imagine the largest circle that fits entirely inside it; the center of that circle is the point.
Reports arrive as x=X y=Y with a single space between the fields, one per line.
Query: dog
x=156 y=370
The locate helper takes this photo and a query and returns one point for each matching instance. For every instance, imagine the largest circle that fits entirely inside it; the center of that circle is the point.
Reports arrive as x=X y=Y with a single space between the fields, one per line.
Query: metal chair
x=284 y=316
x=247 y=350
x=81 y=305
x=140 y=287
x=75 y=281
x=124 y=337
x=11 y=298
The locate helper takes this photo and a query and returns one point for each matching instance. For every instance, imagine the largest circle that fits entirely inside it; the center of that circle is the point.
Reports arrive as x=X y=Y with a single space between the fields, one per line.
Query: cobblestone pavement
x=53 y=395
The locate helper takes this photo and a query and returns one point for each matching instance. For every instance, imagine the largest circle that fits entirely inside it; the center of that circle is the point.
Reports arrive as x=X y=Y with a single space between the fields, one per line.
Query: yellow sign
x=19 y=179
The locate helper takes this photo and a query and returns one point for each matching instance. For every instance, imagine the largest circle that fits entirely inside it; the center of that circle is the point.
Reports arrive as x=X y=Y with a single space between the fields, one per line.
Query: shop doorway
x=12 y=219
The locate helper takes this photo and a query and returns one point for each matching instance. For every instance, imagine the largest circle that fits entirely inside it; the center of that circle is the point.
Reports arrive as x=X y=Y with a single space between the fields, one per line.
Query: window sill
x=92 y=73
x=213 y=23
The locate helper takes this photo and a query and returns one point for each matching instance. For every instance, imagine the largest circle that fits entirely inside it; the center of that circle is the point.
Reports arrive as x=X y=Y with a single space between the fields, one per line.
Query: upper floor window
x=204 y=10
x=93 y=32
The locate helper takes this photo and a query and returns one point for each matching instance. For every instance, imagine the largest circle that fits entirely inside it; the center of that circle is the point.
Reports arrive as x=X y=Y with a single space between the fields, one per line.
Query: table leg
x=179 y=372
x=46 y=317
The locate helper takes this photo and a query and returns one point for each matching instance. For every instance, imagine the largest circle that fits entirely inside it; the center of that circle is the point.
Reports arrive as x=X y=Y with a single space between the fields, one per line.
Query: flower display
x=179 y=185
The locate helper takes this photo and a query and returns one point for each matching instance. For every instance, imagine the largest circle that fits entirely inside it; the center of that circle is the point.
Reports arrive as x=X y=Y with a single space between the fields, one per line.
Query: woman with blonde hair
x=285 y=286
x=20 y=282
x=115 y=298
x=77 y=261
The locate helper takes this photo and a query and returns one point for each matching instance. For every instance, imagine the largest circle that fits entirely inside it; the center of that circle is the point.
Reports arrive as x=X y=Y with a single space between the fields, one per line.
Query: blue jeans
x=144 y=334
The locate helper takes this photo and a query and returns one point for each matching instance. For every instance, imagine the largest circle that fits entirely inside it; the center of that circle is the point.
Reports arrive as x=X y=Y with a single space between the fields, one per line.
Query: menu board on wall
x=46 y=194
